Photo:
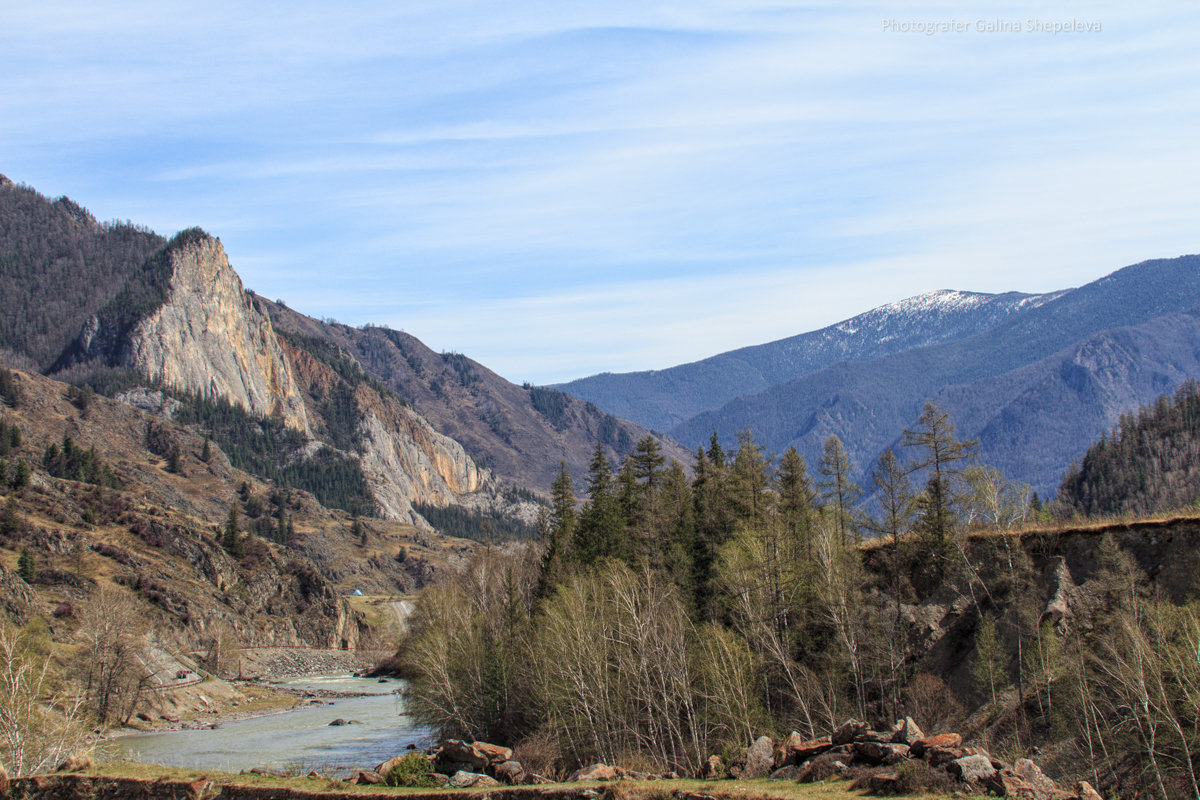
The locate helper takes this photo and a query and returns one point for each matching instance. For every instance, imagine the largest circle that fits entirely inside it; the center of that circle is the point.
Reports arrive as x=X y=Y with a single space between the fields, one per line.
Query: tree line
x=669 y=617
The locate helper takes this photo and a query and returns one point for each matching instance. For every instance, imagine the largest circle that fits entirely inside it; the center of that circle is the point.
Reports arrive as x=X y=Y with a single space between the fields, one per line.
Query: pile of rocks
x=463 y=765
x=878 y=759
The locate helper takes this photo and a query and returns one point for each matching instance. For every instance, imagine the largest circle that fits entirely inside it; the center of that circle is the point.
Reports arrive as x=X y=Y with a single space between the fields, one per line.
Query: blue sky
x=563 y=188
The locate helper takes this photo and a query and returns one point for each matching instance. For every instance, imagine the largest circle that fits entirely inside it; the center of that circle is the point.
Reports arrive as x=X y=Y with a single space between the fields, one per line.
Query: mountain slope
x=58 y=267
x=520 y=433
x=867 y=403
x=663 y=399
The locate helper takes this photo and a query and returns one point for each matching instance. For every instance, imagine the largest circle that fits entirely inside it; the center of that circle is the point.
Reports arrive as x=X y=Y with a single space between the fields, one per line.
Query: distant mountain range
x=1036 y=378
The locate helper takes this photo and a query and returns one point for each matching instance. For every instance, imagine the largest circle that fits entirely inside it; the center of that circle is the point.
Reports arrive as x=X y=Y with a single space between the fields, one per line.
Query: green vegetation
x=58 y=267
x=480 y=526
x=551 y=404
x=268 y=448
x=71 y=462
x=415 y=769
x=1147 y=465
x=10 y=393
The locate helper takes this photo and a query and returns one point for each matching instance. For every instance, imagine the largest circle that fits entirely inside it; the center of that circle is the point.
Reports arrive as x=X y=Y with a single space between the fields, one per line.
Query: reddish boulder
x=494 y=753
x=906 y=732
x=712 y=769
x=1085 y=791
x=943 y=740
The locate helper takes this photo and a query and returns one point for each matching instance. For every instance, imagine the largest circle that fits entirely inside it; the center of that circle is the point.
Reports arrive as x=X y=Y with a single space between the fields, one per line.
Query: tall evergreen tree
x=749 y=480
x=600 y=523
x=942 y=457
x=796 y=498
x=561 y=529
x=838 y=489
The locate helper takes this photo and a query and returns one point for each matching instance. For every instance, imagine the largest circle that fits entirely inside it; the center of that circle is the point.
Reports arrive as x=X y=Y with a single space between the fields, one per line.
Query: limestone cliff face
x=406 y=461
x=209 y=338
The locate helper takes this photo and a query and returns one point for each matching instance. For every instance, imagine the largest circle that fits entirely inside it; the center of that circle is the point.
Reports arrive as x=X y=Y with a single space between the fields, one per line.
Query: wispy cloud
x=561 y=188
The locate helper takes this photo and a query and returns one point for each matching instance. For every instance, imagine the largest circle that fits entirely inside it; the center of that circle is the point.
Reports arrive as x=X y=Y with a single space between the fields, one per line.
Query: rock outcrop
x=209 y=338
x=406 y=461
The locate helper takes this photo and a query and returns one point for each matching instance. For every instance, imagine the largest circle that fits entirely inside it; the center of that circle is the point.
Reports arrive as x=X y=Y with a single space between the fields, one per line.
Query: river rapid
x=294 y=741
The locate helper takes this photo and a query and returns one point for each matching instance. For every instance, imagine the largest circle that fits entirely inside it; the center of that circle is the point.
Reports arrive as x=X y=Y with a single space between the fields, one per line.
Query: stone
x=940 y=756
x=495 y=753
x=1085 y=791
x=907 y=732
x=368 y=778
x=881 y=753
x=510 y=772
x=972 y=769
x=944 y=740
x=1033 y=777
x=758 y=758
x=458 y=756
x=803 y=751
x=789 y=773
x=712 y=769
x=468 y=780
x=596 y=772
x=783 y=752
x=849 y=730
x=337 y=722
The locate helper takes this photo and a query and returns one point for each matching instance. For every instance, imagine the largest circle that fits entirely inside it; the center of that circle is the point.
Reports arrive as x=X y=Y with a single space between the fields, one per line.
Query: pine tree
x=231 y=540
x=10 y=518
x=358 y=530
x=26 y=566
x=206 y=451
x=935 y=434
x=796 y=498
x=600 y=523
x=838 y=489
x=561 y=528
x=21 y=475
x=749 y=480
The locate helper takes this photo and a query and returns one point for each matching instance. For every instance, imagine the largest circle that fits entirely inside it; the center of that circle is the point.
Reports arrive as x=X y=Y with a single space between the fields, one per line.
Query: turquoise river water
x=296 y=741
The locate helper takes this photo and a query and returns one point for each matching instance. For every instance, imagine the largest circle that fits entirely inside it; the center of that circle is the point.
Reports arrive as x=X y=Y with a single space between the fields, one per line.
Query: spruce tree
x=26 y=566
x=600 y=522
x=231 y=539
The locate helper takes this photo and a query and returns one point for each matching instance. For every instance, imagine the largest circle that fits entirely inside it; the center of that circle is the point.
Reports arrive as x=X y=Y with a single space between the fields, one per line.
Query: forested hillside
x=58 y=267
x=1147 y=464
x=674 y=619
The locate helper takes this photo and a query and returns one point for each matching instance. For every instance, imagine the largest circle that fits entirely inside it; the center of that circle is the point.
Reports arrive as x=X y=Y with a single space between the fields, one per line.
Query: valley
x=867 y=522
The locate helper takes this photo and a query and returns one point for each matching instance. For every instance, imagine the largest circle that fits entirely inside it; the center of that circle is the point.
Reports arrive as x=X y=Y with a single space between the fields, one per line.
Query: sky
x=563 y=188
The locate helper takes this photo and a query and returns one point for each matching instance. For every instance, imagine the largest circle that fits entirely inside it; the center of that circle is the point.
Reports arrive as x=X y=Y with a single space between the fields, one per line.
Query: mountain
x=520 y=433
x=58 y=267
x=1148 y=464
x=101 y=505
x=368 y=420
x=664 y=399
x=979 y=377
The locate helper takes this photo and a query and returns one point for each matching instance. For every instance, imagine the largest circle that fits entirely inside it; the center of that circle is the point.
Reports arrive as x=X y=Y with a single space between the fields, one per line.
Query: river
x=295 y=741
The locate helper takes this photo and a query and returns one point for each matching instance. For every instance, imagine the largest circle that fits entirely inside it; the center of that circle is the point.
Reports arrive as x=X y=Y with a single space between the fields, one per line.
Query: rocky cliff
x=209 y=338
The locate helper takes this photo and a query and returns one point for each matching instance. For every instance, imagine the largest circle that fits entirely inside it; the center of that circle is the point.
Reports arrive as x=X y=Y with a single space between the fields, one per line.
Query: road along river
x=294 y=741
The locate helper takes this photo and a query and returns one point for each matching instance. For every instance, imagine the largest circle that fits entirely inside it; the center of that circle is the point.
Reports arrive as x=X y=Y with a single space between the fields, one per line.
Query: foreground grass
x=619 y=790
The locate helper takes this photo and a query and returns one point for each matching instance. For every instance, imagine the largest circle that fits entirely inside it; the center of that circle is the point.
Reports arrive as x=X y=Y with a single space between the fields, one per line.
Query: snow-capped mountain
x=662 y=399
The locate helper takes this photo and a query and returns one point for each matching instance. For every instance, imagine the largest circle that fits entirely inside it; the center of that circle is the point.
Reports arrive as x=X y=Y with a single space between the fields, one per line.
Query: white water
x=297 y=741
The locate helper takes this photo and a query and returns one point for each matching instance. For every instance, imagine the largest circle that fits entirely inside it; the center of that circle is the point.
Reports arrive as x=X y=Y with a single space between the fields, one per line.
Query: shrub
x=415 y=769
